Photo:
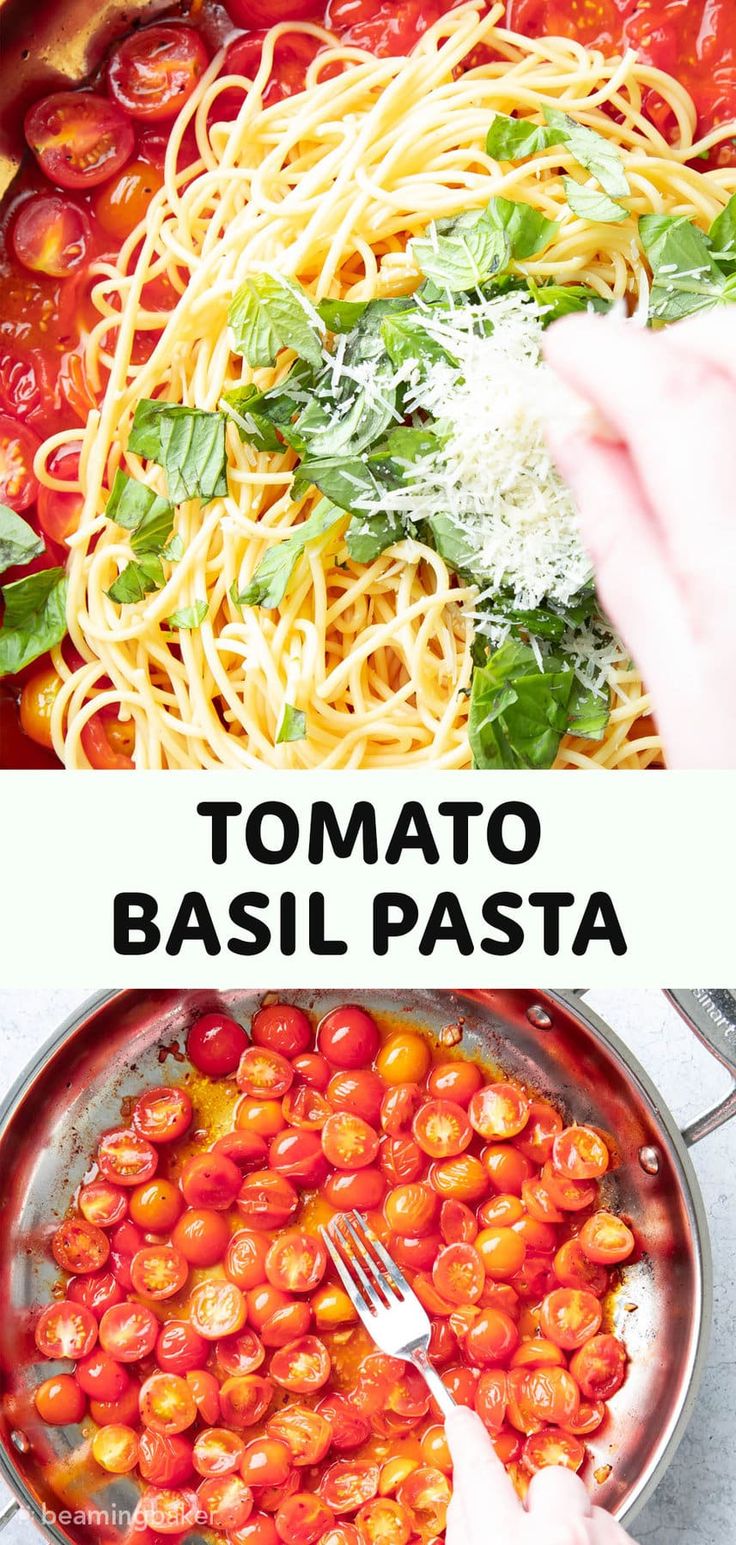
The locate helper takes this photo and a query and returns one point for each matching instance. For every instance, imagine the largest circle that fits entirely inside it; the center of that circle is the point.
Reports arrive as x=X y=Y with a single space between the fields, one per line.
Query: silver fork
x=388 y=1307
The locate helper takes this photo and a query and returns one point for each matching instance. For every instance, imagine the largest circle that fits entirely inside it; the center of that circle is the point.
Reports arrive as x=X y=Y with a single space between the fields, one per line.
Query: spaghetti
x=328 y=187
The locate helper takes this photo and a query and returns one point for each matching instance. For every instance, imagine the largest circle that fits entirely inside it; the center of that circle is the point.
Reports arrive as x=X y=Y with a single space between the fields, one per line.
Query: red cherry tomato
x=299 y=1155
x=179 y=1347
x=426 y=1493
x=381 y=26
x=102 y=1376
x=154 y=71
x=578 y=1153
x=51 y=235
x=264 y=1117
x=349 y=1484
x=167 y=1404
x=245 y=1399
x=201 y=1235
x=538 y=1353
x=18 y=446
x=59 y=1400
x=537 y=1137
x=539 y=1203
x=606 y=1239
x=267 y=1200
x=458 y=1273
x=97 y=1292
x=418 y=1252
x=401 y=1160
x=101 y=736
x=506 y=1167
x=493 y=1338
x=498 y=1111
x=307 y=1434
x=243 y=1353
x=80 y=1247
x=126 y=1158
x=458 y=1224
x=350 y=1189
x=399 y=1107
x=573 y=1269
x=553 y=1395
x=359 y=1091
x=569 y=1317
x=162 y=1114
x=246 y=1149
x=305 y=1108
x=210 y=1180
x=217 y=1309
x=412 y=1210
x=124 y=1410
x=315 y=1070
x=266 y=1462
x=456 y=1081
x=502 y=1251
x=206 y=1394
x=165 y=1459
x=78 y=138
x=102 y=1203
x=589 y=1418
x=463 y=1178
x=348 y=1037
x=245 y=1260
x=156 y=1205
x=128 y=1332
x=168 y=1510
x=158 y=1271
x=115 y=1448
x=226 y=1501
x=301 y=1366
x=551 y=1447
x=65 y=1329
x=568 y=1195
x=264 y=1073
x=490 y=1398
x=283 y=1028
x=599 y=1367
x=217 y=1451
x=383 y=1522
x=267 y=13
x=215 y=1045
x=259 y=1530
x=442 y=1129
x=296 y=1262
x=348 y=1142
x=123 y=202
x=302 y=1519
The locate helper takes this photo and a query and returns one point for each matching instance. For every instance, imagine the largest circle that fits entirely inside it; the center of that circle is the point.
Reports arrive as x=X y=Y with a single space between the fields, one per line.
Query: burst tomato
x=164 y=1459
x=399 y=1107
x=299 y=1155
x=412 y=1209
x=78 y=138
x=267 y=1200
x=210 y=1180
x=348 y=1485
x=51 y=235
x=578 y=1153
x=401 y=1160
x=599 y=1367
x=493 y=1338
x=462 y=1178
x=384 y=1522
x=283 y=1028
x=307 y=1434
x=202 y=1236
x=154 y=71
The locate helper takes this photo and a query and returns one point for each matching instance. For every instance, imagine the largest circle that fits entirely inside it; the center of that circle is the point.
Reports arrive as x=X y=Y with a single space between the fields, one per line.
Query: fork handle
x=439 y=1390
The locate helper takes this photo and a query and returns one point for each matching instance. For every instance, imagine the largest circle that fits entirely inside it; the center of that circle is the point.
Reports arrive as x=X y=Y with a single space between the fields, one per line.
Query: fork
x=388 y=1307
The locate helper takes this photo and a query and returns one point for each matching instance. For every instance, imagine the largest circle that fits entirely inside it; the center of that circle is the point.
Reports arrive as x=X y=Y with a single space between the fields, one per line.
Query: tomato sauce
x=96 y=163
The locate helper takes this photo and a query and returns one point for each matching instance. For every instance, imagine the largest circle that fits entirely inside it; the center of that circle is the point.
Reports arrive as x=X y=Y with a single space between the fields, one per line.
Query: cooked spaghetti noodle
x=328 y=186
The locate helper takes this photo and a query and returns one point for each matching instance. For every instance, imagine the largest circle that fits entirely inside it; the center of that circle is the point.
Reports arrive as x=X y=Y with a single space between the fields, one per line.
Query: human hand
x=656 y=494
x=485 y=1509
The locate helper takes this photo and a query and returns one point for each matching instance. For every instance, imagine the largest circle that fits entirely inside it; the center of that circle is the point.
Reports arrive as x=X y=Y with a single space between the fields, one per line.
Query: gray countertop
x=696 y=1501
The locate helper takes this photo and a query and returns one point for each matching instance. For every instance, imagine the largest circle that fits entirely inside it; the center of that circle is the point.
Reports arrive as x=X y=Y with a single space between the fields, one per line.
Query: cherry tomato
x=123 y=202
x=307 y=1434
x=162 y=1114
x=65 y=1329
x=156 y=1205
x=264 y=1117
x=102 y=1377
x=316 y=1071
x=167 y=1510
x=217 y=1309
x=60 y=1401
x=180 y=1347
x=245 y=1260
x=492 y=1339
x=102 y=1203
x=458 y=1224
x=217 y=1451
x=360 y=1091
x=502 y=1251
x=296 y=1262
x=266 y=1462
x=401 y=1160
x=301 y=1366
x=210 y=1180
x=348 y=1427
x=259 y=1530
x=123 y=1411
x=305 y=1108
x=403 y=1059
x=589 y=1418
x=302 y=1519
x=349 y=1484
x=267 y=1200
x=538 y=1353
x=458 y=1273
x=456 y=1081
x=348 y=1037
x=570 y=1316
x=97 y=1292
x=506 y=1167
x=246 y=1149
x=332 y=1308
x=126 y=1158
x=599 y=1367
x=154 y=71
x=215 y=1045
x=243 y=1353
x=115 y=1448
x=128 y=1332
x=264 y=1073
x=348 y=1142
x=573 y=1269
x=553 y=1395
x=18 y=446
x=78 y=138
x=167 y=1404
x=537 y=1137
x=568 y=1195
x=350 y=1189
x=37 y=698
x=226 y=1500
x=283 y=1028
x=498 y=1111
x=435 y=1452
x=50 y=235
x=201 y=1235
x=501 y=1211
x=80 y=1247
x=245 y=1399
x=165 y=1459
x=205 y=1393
x=417 y=1252
x=381 y=26
x=267 y=13
x=463 y=1178
x=430 y=1296
x=426 y=1493
x=539 y=1204
x=490 y=1398
x=442 y=1129
x=106 y=742
x=412 y=1209
x=578 y=1153
x=606 y=1239
x=399 y=1107
x=158 y=1271
x=384 y=1522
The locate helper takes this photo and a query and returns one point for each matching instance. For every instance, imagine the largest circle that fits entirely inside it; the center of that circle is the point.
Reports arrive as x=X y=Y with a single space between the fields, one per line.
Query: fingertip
x=556 y=1491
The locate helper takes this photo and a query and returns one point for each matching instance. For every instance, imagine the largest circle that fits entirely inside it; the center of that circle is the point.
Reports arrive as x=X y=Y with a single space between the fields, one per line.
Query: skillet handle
x=8 y=1513
x=711 y=1014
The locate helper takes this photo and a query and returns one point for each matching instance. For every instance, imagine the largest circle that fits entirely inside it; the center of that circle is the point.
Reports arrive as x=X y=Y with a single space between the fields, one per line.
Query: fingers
x=484 y=1491
x=606 y=1531
x=558 y=1496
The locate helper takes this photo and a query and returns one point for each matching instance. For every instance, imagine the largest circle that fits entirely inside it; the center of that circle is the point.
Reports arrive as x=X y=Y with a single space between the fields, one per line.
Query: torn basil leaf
x=560 y=299
x=518 y=714
x=271 y=579
x=527 y=229
x=137 y=580
x=588 y=712
x=34 y=619
x=189 y=617
x=18 y=541
x=686 y=277
x=346 y=481
x=368 y=536
x=452 y=543
x=510 y=139
x=293 y=725
x=187 y=442
x=270 y=313
x=406 y=338
x=341 y=316
x=462 y=254
x=590 y=204
x=722 y=238
x=174 y=549
x=598 y=155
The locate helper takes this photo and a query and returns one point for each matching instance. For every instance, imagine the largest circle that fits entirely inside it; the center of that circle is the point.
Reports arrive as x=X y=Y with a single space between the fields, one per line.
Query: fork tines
x=370 y=1277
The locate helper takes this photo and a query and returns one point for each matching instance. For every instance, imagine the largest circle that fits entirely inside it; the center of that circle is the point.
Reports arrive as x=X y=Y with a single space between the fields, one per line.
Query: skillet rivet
x=20 y=1441
x=538 y=1017
x=649 y=1159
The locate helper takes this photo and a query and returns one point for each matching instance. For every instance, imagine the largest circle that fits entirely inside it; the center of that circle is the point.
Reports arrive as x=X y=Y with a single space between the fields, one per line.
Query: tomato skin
x=180 y=1347
x=417 y=1252
x=18 y=446
x=361 y=1189
x=259 y=1530
x=80 y=1247
x=302 y=1519
x=282 y=1027
x=65 y=1329
x=426 y=1494
x=79 y=139
x=156 y=1206
x=348 y=1037
x=296 y=1262
x=301 y=1366
x=60 y=1401
x=538 y=1353
x=164 y=1459
x=245 y=1399
x=246 y=1149
x=360 y=1092
x=553 y=1395
x=154 y=71
x=606 y=1240
x=490 y=1398
x=599 y=1367
x=266 y=13
x=210 y=1180
x=305 y=1108
x=217 y=1451
x=202 y=1235
x=265 y=1462
x=399 y=1107
x=492 y=1339
x=162 y=1114
x=458 y=1225
x=332 y=1308
x=98 y=1292
x=404 y=1058
x=401 y=1160
x=456 y=1081
x=578 y=1153
x=267 y=1200
x=128 y=1332
x=102 y=1377
x=205 y=1393
x=287 y=1323
x=346 y=1486
x=306 y=1433
x=412 y=1209
x=215 y=1045
x=462 y=1178
x=264 y=1073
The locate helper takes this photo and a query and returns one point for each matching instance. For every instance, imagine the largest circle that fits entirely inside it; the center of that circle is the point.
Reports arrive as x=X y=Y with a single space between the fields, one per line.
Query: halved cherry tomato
x=537 y=1137
x=59 y=1400
x=305 y=1108
x=65 y=1329
x=123 y=1411
x=102 y=1203
x=403 y=1059
x=156 y=1205
x=553 y=1395
x=502 y=1251
x=426 y=1493
x=264 y=1117
x=302 y=1519
x=123 y=202
x=167 y=1404
x=202 y=1236
x=401 y=1160
x=180 y=1347
x=538 y=1353
x=242 y=1353
x=50 y=235
x=501 y=1211
x=80 y=1247
x=128 y=1332
x=550 y=1447
x=498 y=1111
x=462 y=1178
x=154 y=71
x=164 y=1459
x=78 y=138
x=435 y=1452
x=205 y=1393
x=458 y=1273
x=301 y=1366
x=570 y=1316
x=361 y=1189
x=348 y=1037
x=315 y=1070
x=399 y=1107
x=599 y=1367
x=578 y=1153
x=296 y=1262
x=573 y=1269
x=158 y=1271
x=217 y=1451
x=264 y=1073
x=245 y=1399
x=246 y=1149
x=359 y=1091
x=456 y=1081
x=506 y=1167
x=115 y=1448
x=307 y=1434
x=568 y=1195
x=348 y=1142
x=125 y=1157
x=442 y=1129
x=283 y=1028
x=18 y=446
x=589 y=1418
x=492 y=1339
x=259 y=1530
x=167 y=1510
x=606 y=1239
x=215 y=1044
x=97 y=1292
x=162 y=1114
x=349 y=1484
x=217 y=1309
x=458 y=1225
x=384 y=1522
x=332 y=1308
x=490 y=1398
x=266 y=1462
x=226 y=1500
x=102 y=1377
x=210 y=1180
x=267 y=1200
x=412 y=1209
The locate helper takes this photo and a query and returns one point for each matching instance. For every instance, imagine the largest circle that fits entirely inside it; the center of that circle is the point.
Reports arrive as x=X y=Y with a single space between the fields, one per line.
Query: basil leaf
x=560 y=299
x=34 y=619
x=341 y=316
x=153 y=532
x=131 y=504
x=368 y=536
x=527 y=229
x=406 y=338
x=345 y=482
x=187 y=442
x=293 y=725
x=686 y=277
x=189 y=616
x=538 y=620
x=510 y=139
x=452 y=543
x=266 y=412
x=174 y=549
x=588 y=712
x=518 y=714
x=464 y=254
x=598 y=155
x=270 y=313
x=18 y=541
x=145 y=431
x=252 y=426
x=347 y=425
x=722 y=237
x=591 y=204
x=137 y=580
x=271 y=579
